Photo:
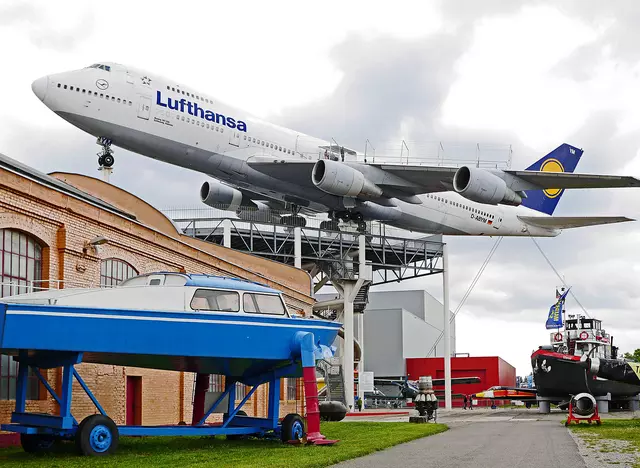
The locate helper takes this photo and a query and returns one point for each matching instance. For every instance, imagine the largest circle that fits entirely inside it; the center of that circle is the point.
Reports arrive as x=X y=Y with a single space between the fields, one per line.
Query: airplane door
x=234 y=138
x=144 y=107
x=497 y=219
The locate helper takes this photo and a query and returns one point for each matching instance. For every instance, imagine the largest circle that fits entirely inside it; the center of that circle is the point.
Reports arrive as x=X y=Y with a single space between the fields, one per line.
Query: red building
x=492 y=371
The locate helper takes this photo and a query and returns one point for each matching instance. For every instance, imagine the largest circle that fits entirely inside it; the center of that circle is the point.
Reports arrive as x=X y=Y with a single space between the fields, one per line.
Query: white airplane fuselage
x=160 y=119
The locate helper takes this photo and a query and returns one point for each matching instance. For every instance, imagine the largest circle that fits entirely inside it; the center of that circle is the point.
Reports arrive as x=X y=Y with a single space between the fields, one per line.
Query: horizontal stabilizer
x=568 y=222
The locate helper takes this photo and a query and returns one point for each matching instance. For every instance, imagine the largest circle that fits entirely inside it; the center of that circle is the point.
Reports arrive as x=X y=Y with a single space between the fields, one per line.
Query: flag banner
x=554 y=319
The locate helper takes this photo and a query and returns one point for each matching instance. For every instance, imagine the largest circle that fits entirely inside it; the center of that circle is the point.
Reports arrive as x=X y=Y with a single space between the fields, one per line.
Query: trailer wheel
x=37 y=443
x=236 y=436
x=97 y=435
x=292 y=428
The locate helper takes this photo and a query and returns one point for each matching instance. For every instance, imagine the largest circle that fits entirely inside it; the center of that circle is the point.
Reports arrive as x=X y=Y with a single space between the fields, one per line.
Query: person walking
x=359 y=404
x=464 y=399
x=470 y=401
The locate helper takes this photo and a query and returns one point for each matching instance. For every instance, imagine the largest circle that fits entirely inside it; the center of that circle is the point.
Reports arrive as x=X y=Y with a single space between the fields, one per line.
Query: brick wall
x=63 y=224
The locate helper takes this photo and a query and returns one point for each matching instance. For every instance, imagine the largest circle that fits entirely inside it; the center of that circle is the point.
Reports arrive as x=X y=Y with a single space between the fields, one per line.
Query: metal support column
x=347 y=365
x=226 y=235
x=447 y=327
x=361 y=363
x=297 y=247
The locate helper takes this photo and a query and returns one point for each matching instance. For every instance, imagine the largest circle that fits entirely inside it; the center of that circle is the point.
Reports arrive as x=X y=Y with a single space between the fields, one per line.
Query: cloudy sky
x=531 y=74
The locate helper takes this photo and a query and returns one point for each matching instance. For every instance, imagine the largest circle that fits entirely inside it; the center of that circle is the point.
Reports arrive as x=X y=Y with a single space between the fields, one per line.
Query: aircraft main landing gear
x=294 y=219
x=356 y=217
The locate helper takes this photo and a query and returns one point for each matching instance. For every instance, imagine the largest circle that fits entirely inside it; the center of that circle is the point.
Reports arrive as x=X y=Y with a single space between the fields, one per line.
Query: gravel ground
x=598 y=452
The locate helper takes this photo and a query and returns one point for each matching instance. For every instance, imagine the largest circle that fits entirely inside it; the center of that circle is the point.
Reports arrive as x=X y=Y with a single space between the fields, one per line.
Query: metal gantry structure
x=322 y=252
x=346 y=259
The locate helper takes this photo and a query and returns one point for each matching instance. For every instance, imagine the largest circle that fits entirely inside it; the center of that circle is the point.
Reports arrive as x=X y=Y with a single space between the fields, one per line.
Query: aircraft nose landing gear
x=105 y=157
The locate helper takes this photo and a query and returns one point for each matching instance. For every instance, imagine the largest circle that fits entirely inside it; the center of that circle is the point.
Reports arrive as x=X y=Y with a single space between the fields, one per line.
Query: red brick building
x=491 y=370
x=46 y=222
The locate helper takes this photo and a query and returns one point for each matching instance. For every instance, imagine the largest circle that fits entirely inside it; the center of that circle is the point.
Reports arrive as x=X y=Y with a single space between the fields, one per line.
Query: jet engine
x=218 y=195
x=339 y=179
x=484 y=187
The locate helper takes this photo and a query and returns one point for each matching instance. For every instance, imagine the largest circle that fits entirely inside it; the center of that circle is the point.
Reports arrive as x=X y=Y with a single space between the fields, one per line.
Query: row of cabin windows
x=461 y=205
x=210 y=101
x=199 y=123
x=257 y=141
x=229 y=301
x=266 y=144
x=191 y=95
x=94 y=93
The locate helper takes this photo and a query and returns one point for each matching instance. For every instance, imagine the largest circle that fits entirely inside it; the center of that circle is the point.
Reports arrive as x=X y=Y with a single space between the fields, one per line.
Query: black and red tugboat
x=582 y=359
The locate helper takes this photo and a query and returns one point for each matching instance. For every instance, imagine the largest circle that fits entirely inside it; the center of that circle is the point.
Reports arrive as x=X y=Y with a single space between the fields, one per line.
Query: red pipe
x=313 y=410
x=202 y=385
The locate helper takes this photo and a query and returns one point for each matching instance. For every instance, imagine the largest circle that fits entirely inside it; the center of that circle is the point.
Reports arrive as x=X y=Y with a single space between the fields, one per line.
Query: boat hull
x=560 y=375
x=235 y=345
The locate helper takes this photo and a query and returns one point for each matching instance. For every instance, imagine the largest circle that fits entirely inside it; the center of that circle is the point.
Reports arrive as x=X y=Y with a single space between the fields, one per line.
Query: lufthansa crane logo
x=552 y=165
x=102 y=84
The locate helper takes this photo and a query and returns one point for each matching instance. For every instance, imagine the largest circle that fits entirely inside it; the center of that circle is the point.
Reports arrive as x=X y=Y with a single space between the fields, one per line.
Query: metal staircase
x=362 y=298
x=333 y=379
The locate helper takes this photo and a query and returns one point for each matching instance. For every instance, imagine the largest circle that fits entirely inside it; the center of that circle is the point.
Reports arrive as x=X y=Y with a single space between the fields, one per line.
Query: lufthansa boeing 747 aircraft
x=260 y=165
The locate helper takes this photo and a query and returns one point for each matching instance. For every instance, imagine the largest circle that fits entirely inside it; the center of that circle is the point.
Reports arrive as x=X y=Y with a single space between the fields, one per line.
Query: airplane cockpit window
x=100 y=66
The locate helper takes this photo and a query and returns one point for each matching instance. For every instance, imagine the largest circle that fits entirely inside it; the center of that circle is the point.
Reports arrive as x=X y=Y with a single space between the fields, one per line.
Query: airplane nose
x=40 y=86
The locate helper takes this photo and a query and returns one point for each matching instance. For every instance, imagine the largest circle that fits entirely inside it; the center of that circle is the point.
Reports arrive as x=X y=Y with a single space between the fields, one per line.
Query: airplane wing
x=568 y=222
x=397 y=179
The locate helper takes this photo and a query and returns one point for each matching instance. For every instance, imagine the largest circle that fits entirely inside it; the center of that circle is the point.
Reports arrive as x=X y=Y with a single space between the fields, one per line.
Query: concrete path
x=475 y=442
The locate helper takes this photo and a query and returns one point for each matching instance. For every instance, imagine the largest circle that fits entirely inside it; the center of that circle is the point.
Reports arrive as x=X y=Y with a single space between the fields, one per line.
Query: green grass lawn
x=356 y=439
x=620 y=429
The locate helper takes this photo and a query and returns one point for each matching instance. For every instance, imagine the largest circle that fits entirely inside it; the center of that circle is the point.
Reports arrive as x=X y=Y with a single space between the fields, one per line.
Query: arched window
x=114 y=271
x=21 y=258
x=20 y=272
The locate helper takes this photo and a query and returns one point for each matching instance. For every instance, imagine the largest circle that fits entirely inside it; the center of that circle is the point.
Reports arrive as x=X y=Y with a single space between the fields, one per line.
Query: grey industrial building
x=400 y=325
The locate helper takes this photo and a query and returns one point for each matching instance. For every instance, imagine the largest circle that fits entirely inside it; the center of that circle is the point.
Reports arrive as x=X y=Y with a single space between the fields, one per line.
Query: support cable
x=564 y=284
x=469 y=290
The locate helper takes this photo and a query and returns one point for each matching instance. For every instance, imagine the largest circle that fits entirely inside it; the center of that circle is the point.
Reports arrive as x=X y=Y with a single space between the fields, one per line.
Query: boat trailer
x=98 y=434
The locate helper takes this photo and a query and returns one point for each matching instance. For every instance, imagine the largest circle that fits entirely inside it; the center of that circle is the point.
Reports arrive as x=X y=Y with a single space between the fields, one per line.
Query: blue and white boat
x=186 y=322
x=173 y=321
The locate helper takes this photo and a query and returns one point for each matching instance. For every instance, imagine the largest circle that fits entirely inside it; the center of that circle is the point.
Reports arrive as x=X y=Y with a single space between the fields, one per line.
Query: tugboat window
x=211 y=299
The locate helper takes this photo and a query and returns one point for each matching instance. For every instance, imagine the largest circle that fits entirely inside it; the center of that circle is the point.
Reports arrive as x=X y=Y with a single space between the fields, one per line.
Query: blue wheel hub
x=297 y=430
x=100 y=438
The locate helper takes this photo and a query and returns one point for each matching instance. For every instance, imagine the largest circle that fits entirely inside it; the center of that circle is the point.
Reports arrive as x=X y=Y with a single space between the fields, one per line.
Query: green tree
x=635 y=357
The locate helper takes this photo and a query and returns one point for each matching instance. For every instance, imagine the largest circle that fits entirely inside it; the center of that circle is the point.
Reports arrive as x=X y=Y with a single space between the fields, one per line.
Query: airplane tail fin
x=562 y=159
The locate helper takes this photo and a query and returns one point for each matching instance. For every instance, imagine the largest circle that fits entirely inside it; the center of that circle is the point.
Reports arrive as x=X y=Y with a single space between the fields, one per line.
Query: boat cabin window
x=211 y=299
x=270 y=304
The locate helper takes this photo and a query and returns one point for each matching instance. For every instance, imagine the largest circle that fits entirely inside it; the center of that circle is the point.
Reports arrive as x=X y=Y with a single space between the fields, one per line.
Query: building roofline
x=30 y=173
